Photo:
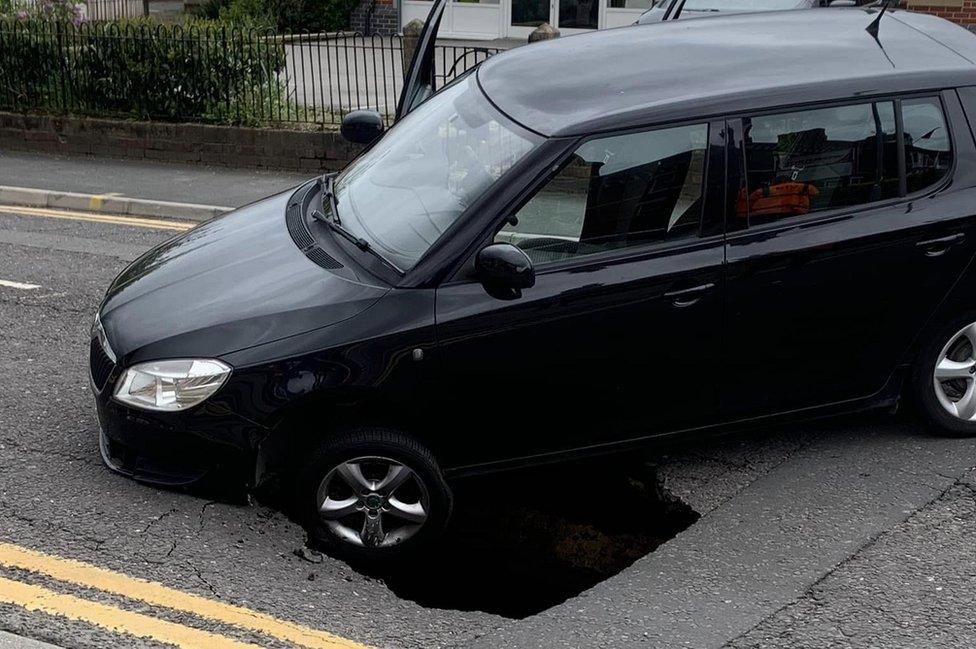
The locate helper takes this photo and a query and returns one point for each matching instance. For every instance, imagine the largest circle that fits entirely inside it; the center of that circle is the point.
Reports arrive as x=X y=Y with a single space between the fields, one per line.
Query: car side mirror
x=362 y=126
x=503 y=268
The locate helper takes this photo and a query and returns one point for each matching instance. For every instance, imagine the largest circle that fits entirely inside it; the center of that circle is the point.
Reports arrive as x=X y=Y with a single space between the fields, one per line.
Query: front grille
x=100 y=364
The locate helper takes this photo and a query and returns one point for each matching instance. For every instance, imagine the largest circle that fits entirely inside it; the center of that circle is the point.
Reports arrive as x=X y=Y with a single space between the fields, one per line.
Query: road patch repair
x=781 y=511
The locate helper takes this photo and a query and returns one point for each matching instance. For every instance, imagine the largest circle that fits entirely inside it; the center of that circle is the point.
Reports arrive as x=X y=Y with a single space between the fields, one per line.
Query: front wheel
x=944 y=379
x=373 y=494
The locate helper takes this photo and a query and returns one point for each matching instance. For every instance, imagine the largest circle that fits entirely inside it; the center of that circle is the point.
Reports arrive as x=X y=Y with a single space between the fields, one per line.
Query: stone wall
x=194 y=143
x=383 y=21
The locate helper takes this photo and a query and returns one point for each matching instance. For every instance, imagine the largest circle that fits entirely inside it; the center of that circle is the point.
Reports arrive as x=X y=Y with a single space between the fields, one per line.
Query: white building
x=489 y=19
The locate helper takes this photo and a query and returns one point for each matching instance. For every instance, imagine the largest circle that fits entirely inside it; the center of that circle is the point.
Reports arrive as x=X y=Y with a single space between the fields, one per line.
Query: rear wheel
x=945 y=378
x=373 y=494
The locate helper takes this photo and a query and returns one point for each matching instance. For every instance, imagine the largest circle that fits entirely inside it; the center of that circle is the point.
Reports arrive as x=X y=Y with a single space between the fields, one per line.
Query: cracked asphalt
x=913 y=586
x=853 y=532
x=55 y=495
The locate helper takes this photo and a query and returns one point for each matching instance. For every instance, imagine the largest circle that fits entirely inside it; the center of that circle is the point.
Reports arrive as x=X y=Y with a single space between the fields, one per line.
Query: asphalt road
x=854 y=532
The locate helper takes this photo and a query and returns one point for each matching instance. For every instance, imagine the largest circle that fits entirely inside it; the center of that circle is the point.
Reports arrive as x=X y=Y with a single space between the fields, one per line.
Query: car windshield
x=402 y=194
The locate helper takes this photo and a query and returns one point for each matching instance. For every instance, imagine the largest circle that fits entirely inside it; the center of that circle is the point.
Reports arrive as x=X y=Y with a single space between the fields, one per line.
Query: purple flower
x=22 y=15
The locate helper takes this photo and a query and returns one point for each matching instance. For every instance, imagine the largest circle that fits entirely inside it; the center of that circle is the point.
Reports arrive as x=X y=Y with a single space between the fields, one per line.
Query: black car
x=568 y=252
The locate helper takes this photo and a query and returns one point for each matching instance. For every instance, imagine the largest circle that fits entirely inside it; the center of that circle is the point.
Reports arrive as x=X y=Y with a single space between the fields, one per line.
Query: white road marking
x=20 y=285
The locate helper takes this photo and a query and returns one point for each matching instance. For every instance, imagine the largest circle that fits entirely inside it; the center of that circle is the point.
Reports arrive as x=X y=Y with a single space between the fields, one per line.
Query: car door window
x=928 y=149
x=807 y=161
x=616 y=192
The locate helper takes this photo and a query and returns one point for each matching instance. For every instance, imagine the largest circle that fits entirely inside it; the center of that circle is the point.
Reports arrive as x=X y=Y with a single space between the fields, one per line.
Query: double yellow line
x=118 y=620
x=133 y=221
x=37 y=598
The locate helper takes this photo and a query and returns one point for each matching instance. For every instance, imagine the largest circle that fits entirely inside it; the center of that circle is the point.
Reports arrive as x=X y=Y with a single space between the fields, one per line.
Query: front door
x=569 y=16
x=620 y=336
x=836 y=260
x=420 y=76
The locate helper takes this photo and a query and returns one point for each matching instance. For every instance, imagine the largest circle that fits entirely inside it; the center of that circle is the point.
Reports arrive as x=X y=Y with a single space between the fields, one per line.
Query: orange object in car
x=789 y=198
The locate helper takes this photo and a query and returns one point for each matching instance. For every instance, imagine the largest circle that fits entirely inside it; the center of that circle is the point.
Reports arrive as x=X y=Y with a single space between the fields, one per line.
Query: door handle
x=688 y=296
x=936 y=247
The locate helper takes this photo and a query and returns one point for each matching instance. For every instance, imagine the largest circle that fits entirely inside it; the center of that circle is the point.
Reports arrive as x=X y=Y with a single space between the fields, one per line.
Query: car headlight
x=171 y=385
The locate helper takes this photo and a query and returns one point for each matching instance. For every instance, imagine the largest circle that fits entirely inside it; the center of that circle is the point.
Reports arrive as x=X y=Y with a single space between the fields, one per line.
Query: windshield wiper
x=335 y=223
x=336 y=226
x=328 y=192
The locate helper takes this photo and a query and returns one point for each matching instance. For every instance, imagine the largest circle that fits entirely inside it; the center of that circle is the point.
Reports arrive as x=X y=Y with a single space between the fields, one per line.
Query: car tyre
x=373 y=494
x=944 y=378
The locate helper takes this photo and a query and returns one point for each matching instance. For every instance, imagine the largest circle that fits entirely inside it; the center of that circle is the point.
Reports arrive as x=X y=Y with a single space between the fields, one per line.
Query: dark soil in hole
x=522 y=542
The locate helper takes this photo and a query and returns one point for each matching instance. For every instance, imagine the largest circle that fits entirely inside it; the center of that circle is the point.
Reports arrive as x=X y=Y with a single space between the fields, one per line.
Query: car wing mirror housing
x=362 y=126
x=504 y=270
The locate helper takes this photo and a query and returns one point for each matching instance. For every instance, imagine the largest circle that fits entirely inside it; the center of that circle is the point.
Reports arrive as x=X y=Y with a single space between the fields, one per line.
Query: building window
x=630 y=4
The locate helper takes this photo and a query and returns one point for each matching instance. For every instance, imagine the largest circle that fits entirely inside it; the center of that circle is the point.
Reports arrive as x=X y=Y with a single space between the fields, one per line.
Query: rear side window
x=928 y=152
x=808 y=161
x=616 y=192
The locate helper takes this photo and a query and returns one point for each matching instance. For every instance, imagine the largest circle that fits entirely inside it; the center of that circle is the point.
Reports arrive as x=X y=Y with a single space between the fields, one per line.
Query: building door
x=569 y=16
x=466 y=19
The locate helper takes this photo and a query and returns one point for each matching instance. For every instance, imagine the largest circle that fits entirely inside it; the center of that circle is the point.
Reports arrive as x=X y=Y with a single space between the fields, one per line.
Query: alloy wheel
x=955 y=374
x=373 y=502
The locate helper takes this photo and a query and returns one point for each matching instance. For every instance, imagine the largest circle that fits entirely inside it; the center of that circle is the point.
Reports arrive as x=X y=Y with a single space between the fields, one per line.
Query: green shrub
x=139 y=69
x=284 y=15
x=30 y=63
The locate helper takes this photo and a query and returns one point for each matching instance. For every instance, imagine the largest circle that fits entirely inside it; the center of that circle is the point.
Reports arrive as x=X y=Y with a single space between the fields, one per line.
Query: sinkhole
x=523 y=541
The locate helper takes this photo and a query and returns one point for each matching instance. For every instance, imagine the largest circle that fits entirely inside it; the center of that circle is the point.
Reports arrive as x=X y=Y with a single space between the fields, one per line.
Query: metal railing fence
x=211 y=73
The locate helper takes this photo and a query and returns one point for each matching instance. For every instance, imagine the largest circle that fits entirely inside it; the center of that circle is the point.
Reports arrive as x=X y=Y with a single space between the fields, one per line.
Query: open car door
x=419 y=80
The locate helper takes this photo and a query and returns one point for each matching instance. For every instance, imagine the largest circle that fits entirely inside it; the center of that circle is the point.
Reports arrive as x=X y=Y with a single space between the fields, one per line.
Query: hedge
x=284 y=15
x=200 y=72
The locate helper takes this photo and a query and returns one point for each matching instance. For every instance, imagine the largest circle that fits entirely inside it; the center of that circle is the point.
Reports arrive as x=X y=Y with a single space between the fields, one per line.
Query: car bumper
x=206 y=443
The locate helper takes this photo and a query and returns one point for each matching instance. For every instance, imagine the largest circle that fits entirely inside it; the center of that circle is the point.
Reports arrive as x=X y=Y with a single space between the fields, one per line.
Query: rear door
x=835 y=259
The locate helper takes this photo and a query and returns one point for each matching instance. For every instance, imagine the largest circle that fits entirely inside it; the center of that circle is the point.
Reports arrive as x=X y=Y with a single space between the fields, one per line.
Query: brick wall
x=958 y=11
x=215 y=145
x=383 y=20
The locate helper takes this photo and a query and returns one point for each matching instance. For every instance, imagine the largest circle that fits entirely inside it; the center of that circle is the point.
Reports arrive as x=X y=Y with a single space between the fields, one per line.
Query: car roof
x=648 y=74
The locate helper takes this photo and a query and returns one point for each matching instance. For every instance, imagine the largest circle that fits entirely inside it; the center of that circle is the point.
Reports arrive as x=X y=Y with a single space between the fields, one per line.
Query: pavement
x=194 y=192
x=850 y=532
